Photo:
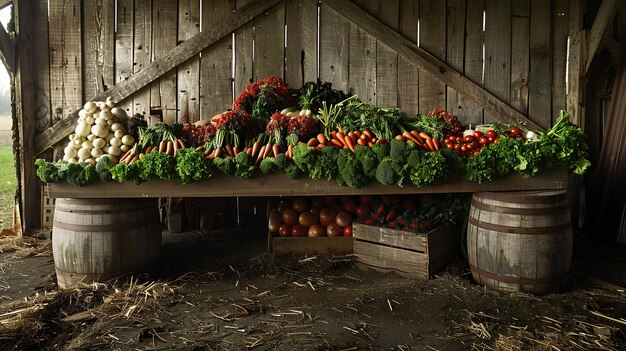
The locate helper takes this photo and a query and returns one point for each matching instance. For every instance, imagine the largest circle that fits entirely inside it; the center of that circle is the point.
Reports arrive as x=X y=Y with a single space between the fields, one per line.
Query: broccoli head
x=350 y=170
x=281 y=161
x=381 y=151
x=398 y=150
x=292 y=170
x=268 y=165
x=103 y=167
x=389 y=172
x=304 y=157
x=368 y=160
x=226 y=165
x=244 y=160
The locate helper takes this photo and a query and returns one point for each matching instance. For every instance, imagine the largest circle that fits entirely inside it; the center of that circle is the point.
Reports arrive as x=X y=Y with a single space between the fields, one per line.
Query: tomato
x=315 y=211
x=476 y=153
x=478 y=134
x=350 y=205
x=457 y=147
x=516 y=131
x=300 y=231
x=491 y=133
x=464 y=148
x=470 y=146
x=308 y=219
x=316 y=230
x=333 y=230
x=284 y=230
x=468 y=138
x=290 y=216
x=337 y=207
x=490 y=139
x=450 y=146
x=484 y=141
x=366 y=199
x=300 y=204
x=363 y=211
x=495 y=141
x=275 y=219
x=347 y=230
x=327 y=216
x=343 y=219
x=282 y=206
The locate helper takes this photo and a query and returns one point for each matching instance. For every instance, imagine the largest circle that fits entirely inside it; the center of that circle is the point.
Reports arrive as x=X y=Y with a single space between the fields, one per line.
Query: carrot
x=361 y=141
x=333 y=133
x=134 y=159
x=410 y=136
x=200 y=148
x=430 y=145
x=229 y=150
x=162 y=146
x=268 y=149
x=322 y=138
x=209 y=150
x=319 y=147
x=400 y=137
x=336 y=143
x=381 y=141
x=351 y=136
x=424 y=135
x=181 y=143
x=374 y=140
x=255 y=148
x=217 y=152
x=368 y=134
x=125 y=155
x=341 y=138
x=141 y=155
x=313 y=142
x=175 y=146
x=261 y=154
x=417 y=136
x=357 y=134
x=350 y=143
x=276 y=149
x=290 y=151
x=436 y=144
x=370 y=144
x=236 y=150
x=169 y=147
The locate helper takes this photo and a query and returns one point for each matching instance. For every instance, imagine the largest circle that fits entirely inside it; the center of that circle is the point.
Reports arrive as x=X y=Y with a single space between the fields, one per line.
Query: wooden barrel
x=96 y=240
x=520 y=241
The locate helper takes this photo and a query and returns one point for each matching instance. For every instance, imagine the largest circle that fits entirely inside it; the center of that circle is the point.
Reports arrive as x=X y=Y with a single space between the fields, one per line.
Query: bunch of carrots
x=422 y=140
x=137 y=152
x=350 y=140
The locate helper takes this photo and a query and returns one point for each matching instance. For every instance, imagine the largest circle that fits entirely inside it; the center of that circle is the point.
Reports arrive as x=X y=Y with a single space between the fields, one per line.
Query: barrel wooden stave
x=520 y=241
x=101 y=239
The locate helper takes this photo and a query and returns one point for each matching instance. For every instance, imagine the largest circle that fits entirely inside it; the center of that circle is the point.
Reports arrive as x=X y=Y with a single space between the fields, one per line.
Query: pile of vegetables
x=314 y=132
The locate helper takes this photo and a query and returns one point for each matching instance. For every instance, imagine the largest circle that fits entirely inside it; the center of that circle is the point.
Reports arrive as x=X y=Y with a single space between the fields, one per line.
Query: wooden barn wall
x=515 y=49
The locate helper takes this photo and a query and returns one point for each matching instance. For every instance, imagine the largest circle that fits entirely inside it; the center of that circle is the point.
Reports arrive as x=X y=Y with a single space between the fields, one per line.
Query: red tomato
x=363 y=211
x=308 y=219
x=290 y=216
x=495 y=141
x=464 y=148
x=300 y=204
x=450 y=146
x=347 y=230
x=468 y=138
x=300 y=231
x=478 y=134
x=327 y=216
x=484 y=141
x=459 y=139
x=367 y=199
x=350 y=205
x=457 y=147
x=333 y=230
x=491 y=139
x=470 y=146
x=516 y=131
x=284 y=230
x=343 y=219
x=491 y=133
x=316 y=230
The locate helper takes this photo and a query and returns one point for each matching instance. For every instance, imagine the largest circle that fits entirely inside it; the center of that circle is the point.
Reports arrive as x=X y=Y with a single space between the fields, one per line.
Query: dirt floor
x=222 y=291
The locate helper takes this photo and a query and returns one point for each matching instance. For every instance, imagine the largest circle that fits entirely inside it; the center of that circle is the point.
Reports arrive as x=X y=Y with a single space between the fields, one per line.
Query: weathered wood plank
x=269 y=43
x=362 y=76
x=385 y=236
x=576 y=60
x=189 y=72
x=313 y=246
x=408 y=78
x=605 y=15
x=540 y=76
x=334 y=48
x=387 y=59
x=279 y=185
x=498 y=51
x=560 y=19
x=432 y=92
x=163 y=92
x=520 y=46
x=244 y=41
x=124 y=46
x=473 y=112
x=159 y=67
x=216 y=71
x=41 y=66
x=424 y=60
x=30 y=202
x=7 y=50
x=66 y=93
x=98 y=39
x=455 y=41
x=142 y=52
x=301 y=51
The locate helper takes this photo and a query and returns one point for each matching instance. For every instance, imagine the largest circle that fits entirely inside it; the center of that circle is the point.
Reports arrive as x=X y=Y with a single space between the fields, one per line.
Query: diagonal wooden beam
x=159 y=67
x=5 y=3
x=428 y=62
x=7 y=50
x=606 y=12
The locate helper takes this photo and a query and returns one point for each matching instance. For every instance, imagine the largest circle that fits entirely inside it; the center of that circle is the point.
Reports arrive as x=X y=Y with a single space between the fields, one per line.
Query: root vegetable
x=97 y=152
x=115 y=142
x=87 y=145
x=98 y=131
x=117 y=126
x=125 y=148
x=108 y=137
x=118 y=134
x=82 y=129
x=128 y=140
x=119 y=112
x=99 y=143
x=90 y=106
x=91 y=137
x=114 y=150
x=70 y=152
x=84 y=153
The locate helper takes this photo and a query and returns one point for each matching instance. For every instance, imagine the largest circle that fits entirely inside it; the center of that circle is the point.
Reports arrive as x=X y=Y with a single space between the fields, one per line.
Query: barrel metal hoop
x=521 y=211
x=518 y=230
x=114 y=210
x=517 y=197
x=516 y=280
x=101 y=227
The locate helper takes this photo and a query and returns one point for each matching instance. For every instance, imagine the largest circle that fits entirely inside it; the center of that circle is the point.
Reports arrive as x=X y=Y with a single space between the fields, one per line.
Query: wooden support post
x=605 y=15
x=576 y=60
x=24 y=108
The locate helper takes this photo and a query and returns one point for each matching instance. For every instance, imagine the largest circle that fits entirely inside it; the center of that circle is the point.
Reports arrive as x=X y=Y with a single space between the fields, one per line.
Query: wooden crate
x=312 y=246
x=416 y=256
x=47 y=208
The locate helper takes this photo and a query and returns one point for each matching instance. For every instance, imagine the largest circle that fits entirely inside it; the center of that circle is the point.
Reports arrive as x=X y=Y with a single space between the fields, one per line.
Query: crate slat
x=313 y=246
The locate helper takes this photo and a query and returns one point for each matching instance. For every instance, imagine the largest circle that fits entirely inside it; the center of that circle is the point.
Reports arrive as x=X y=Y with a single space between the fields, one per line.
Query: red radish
x=347 y=230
